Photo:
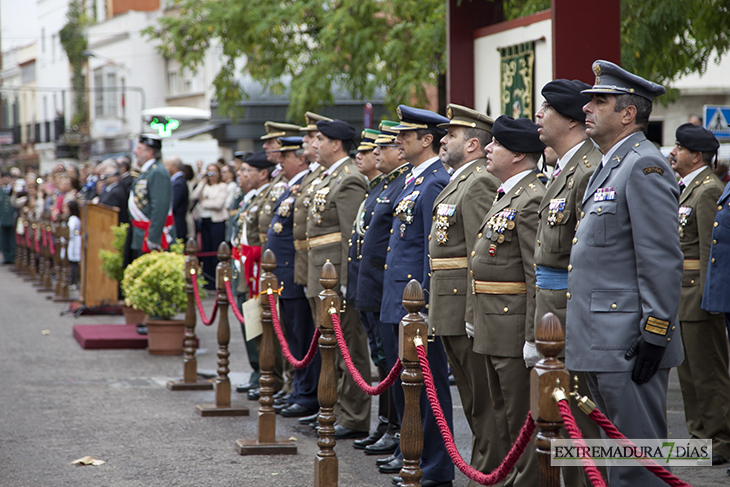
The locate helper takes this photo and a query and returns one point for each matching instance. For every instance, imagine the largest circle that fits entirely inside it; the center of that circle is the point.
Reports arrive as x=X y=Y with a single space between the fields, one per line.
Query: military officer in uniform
x=703 y=376
x=296 y=317
x=457 y=214
x=503 y=281
x=418 y=142
x=332 y=211
x=372 y=253
x=7 y=221
x=626 y=267
x=150 y=199
x=561 y=123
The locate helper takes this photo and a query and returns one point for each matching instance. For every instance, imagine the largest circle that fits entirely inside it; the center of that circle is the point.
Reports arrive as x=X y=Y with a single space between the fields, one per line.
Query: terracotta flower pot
x=133 y=316
x=165 y=337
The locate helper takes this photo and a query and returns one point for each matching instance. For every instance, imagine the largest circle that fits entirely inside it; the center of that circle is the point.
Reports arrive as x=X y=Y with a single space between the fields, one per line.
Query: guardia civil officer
x=152 y=223
x=624 y=286
x=296 y=316
x=373 y=250
x=457 y=214
x=332 y=211
x=503 y=282
x=418 y=142
x=703 y=376
x=561 y=123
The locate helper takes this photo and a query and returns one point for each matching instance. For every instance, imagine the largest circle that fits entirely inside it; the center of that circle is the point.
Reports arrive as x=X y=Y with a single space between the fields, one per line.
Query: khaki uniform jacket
x=331 y=213
x=457 y=214
x=556 y=230
x=301 y=207
x=503 y=316
x=697 y=208
x=251 y=215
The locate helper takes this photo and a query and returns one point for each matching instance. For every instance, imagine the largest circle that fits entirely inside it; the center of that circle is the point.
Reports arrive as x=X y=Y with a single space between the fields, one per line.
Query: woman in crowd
x=210 y=194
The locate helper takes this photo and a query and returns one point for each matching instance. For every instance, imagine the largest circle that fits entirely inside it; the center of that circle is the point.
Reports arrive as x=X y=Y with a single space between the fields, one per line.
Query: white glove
x=469 y=329
x=153 y=246
x=424 y=316
x=530 y=354
x=343 y=290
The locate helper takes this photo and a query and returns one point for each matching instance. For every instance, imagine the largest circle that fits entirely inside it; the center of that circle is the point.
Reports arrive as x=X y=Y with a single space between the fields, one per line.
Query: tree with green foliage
x=362 y=44
x=357 y=45
x=74 y=42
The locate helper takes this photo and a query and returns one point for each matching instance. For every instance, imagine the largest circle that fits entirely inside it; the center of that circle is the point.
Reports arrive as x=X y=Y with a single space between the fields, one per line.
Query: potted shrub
x=111 y=265
x=155 y=284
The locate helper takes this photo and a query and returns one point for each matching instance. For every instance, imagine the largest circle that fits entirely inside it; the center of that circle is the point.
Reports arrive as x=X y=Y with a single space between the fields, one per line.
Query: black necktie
x=681 y=187
x=500 y=193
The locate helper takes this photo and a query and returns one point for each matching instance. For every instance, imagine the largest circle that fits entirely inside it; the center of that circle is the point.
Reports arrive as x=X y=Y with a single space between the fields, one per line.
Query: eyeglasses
x=104 y=177
x=211 y=173
x=387 y=145
x=545 y=105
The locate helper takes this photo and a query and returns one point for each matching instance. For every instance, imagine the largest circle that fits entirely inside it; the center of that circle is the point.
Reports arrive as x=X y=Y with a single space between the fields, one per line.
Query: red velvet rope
x=211 y=253
x=651 y=465
x=206 y=321
x=366 y=388
x=232 y=302
x=297 y=364
x=51 y=245
x=576 y=434
x=43 y=237
x=501 y=472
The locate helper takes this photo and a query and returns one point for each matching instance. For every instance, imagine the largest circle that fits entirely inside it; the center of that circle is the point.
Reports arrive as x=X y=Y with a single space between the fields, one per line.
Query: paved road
x=61 y=403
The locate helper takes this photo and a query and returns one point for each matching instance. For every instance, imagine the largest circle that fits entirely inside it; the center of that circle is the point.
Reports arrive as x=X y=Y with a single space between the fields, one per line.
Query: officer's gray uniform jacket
x=626 y=263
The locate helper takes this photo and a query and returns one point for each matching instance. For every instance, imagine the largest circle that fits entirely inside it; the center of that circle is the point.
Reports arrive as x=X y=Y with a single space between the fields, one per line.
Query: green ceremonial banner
x=516 y=85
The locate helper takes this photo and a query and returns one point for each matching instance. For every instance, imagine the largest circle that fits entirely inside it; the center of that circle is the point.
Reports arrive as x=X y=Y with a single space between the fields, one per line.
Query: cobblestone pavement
x=60 y=403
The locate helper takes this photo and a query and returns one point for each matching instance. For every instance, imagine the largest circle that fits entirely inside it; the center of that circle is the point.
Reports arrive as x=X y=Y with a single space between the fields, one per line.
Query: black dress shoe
x=374 y=436
x=278 y=408
x=306 y=420
x=295 y=411
x=383 y=461
x=246 y=387
x=279 y=394
x=254 y=394
x=387 y=444
x=342 y=433
x=141 y=328
x=717 y=459
x=397 y=481
x=393 y=467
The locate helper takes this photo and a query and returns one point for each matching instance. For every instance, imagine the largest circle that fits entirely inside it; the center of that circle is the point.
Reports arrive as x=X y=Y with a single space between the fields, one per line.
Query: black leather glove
x=648 y=358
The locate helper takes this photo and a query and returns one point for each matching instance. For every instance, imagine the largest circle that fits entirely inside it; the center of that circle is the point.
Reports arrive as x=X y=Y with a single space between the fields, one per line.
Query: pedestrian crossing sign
x=716 y=120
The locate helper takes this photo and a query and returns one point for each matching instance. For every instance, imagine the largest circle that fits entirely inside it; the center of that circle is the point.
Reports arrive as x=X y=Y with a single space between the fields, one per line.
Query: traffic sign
x=716 y=120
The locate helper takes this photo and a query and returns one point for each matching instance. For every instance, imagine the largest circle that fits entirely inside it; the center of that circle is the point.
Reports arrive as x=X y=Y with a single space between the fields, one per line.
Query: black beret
x=566 y=98
x=150 y=141
x=337 y=129
x=518 y=135
x=258 y=160
x=696 y=138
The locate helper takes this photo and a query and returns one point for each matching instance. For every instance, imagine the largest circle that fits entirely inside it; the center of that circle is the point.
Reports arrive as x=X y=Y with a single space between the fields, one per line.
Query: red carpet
x=96 y=337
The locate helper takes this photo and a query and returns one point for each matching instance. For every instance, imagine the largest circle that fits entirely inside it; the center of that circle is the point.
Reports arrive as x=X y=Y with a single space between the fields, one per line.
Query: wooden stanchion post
x=190 y=381
x=266 y=443
x=326 y=464
x=32 y=269
x=547 y=375
x=48 y=278
x=412 y=332
x=45 y=259
x=24 y=248
x=65 y=271
x=56 y=262
x=222 y=406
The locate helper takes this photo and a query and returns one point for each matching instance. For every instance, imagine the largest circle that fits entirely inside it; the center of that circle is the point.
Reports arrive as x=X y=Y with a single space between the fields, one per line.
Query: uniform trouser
x=705 y=383
x=470 y=374
x=7 y=242
x=386 y=408
x=296 y=318
x=352 y=409
x=637 y=411
x=555 y=301
x=435 y=461
x=509 y=388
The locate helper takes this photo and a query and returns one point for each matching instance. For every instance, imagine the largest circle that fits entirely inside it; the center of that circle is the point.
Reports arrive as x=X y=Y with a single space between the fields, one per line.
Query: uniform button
x=353 y=232
x=570 y=267
x=307 y=218
x=455 y=291
x=385 y=267
x=296 y=209
x=538 y=242
x=359 y=257
x=473 y=253
x=537 y=288
x=575 y=240
x=409 y=276
x=715 y=224
x=713 y=260
x=479 y=235
x=582 y=214
x=506 y=309
x=391 y=231
x=534 y=265
x=567 y=295
x=286 y=263
x=429 y=274
x=719 y=207
x=426 y=306
x=429 y=238
x=669 y=339
x=472 y=273
x=692 y=281
x=433 y=218
x=714 y=242
x=349 y=259
x=372 y=213
x=674 y=327
x=294 y=224
x=389 y=249
x=613 y=306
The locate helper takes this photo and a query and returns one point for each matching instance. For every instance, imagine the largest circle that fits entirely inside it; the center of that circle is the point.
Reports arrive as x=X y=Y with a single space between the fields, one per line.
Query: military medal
x=402 y=229
x=404 y=210
x=555 y=211
x=684 y=212
x=492 y=250
x=443 y=211
x=497 y=223
x=604 y=194
x=277 y=191
x=285 y=206
x=278 y=227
